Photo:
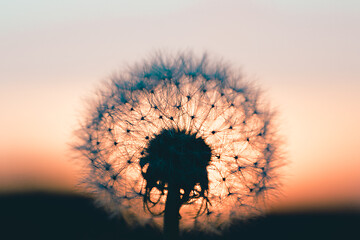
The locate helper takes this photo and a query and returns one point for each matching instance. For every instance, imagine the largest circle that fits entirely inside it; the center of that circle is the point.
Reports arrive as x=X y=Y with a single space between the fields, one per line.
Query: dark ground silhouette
x=65 y=216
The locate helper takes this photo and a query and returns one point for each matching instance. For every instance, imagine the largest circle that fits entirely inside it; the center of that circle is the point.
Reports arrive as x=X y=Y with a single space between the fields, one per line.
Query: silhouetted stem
x=172 y=208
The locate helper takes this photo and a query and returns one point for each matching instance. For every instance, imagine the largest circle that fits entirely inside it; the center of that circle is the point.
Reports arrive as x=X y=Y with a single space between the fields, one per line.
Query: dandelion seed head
x=183 y=117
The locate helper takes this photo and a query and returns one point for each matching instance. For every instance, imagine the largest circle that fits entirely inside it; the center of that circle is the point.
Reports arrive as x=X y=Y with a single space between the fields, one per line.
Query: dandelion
x=181 y=138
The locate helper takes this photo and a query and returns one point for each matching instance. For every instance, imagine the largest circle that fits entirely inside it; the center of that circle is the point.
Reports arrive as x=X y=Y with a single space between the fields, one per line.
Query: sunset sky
x=304 y=54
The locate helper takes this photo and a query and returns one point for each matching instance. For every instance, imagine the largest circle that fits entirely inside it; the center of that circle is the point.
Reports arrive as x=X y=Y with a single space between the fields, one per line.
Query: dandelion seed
x=183 y=138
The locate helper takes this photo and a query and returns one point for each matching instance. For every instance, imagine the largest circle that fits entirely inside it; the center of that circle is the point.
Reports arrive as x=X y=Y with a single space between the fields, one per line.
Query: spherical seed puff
x=198 y=98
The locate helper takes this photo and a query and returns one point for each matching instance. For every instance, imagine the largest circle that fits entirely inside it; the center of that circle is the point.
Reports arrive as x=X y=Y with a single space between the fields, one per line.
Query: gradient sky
x=304 y=54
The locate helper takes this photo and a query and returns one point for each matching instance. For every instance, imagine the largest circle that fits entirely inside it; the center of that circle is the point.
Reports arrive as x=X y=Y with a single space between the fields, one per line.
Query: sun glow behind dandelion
x=194 y=97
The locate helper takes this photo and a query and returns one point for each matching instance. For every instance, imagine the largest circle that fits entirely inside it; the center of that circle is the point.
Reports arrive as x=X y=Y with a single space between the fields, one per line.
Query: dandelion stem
x=172 y=208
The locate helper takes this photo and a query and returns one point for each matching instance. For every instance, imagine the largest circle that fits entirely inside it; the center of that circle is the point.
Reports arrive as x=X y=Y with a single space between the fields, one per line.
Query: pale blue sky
x=305 y=54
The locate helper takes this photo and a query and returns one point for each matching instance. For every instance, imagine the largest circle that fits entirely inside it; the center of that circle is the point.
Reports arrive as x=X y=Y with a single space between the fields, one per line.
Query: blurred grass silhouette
x=41 y=215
